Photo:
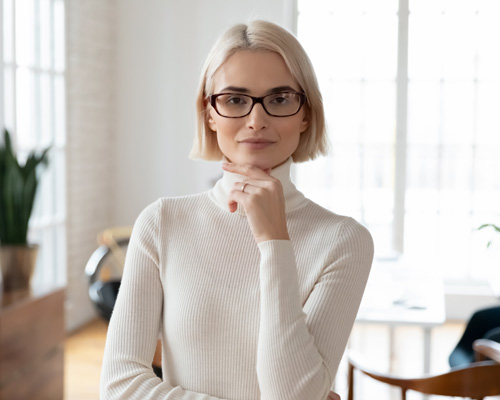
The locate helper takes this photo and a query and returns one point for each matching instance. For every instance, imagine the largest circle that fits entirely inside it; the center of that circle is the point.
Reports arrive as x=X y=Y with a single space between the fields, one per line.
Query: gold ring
x=243 y=187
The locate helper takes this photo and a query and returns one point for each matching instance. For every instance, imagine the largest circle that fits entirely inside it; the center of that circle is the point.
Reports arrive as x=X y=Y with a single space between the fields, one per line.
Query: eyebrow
x=245 y=90
x=234 y=89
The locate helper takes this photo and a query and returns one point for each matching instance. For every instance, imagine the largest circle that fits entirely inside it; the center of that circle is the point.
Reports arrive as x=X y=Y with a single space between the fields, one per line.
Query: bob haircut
x=257 y=36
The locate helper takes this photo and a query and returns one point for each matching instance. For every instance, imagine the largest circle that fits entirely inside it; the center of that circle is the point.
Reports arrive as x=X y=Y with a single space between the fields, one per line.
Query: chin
x=259 y=161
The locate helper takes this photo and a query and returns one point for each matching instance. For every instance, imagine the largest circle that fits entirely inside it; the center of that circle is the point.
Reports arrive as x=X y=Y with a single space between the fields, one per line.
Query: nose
x=258 y=118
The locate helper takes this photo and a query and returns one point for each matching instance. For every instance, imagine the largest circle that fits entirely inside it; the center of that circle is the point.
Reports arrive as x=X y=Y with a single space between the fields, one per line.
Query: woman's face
x=258 y=139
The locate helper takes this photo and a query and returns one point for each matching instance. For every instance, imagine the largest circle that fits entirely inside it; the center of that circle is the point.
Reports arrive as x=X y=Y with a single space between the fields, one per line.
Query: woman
x=252 y=287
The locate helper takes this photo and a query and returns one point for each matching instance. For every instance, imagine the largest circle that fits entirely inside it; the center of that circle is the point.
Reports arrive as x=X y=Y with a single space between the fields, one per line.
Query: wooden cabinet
x=32 y=345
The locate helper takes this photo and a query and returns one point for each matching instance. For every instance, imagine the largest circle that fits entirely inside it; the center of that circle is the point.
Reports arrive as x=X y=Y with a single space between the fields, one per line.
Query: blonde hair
x=262 y=35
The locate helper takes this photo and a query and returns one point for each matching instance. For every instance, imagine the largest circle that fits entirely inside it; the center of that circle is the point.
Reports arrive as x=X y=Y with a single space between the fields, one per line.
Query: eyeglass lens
x=277 y=104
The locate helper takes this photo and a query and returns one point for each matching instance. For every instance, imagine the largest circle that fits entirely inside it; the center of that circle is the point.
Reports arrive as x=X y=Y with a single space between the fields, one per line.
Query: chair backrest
x=476 y=381
x=486 y=349
x=482 y=324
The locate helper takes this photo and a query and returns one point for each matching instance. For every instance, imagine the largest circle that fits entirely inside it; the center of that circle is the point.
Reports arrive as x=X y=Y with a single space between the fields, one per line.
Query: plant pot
x=17 y=263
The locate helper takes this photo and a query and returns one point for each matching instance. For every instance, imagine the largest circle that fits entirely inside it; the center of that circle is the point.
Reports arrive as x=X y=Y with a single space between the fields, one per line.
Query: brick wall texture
x=90 y=71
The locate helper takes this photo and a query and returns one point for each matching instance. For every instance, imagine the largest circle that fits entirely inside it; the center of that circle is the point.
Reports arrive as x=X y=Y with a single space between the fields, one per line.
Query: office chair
x=104 y=271
x=476 y=380
x=105 y=267
x=484 y=324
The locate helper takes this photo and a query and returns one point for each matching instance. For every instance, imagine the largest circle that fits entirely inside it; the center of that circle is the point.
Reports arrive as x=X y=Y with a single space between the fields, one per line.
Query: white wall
x=161 y=48
x=90 y=67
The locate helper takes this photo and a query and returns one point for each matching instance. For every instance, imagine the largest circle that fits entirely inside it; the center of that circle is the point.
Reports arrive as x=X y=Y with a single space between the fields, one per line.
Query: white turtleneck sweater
x=237 y=320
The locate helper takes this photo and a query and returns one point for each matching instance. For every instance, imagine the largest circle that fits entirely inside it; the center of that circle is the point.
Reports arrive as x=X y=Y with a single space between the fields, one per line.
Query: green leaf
x=18 y=187
x=495 y=227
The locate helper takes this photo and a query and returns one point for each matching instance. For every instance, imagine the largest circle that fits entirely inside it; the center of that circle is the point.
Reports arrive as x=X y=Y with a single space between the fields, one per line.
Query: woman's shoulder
x=330 y=222
x=178 y=201
x=170 y=212
x=340 y=234
x=312 y=209
x=165 y=206
x=165 y=203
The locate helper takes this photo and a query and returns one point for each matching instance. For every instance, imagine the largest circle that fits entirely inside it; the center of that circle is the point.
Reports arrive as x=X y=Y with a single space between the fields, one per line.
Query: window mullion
x=2 y=73
x=37 y=75
x=14 y=74
x=401 y=127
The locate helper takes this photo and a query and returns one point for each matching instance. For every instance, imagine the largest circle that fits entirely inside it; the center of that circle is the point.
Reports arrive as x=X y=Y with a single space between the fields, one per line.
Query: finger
x=233 y=206
x=243 y=186
x=238 y=194
x=333 y=396
x=251 y=171
x=236 y=197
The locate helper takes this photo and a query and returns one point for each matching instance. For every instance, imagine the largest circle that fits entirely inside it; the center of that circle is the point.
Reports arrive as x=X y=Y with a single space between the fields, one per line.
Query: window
x=34 y=113
x=412 y=93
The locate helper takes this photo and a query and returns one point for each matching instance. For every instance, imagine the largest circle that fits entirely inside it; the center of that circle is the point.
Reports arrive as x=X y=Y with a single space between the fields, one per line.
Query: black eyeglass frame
x=256 y=100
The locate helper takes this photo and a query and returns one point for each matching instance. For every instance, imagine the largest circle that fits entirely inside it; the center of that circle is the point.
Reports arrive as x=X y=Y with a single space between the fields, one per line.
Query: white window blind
x=412 y=98
x=34 y=113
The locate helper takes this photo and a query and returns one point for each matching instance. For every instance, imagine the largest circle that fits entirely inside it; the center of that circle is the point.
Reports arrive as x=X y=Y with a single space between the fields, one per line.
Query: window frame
x=48 y=219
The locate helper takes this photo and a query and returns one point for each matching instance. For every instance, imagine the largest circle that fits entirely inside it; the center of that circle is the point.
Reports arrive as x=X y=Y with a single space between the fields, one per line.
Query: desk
x=400 y=295
x=31 y=344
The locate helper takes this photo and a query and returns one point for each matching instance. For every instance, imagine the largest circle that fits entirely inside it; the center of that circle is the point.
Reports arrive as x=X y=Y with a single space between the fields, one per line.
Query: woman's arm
x=135 y=323
x=300 y=346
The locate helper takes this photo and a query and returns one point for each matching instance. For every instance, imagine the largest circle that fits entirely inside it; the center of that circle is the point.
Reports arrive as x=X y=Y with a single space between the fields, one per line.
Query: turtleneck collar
x=293 y=198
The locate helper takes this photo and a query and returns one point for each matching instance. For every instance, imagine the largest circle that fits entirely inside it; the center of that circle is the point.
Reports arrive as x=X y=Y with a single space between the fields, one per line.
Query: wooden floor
x=83 y=358
x=84 y=351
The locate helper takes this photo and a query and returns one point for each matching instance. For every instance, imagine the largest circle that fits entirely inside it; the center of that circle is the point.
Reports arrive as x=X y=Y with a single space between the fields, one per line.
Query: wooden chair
x=485 y=349
x=483 y=324
x=476 y=380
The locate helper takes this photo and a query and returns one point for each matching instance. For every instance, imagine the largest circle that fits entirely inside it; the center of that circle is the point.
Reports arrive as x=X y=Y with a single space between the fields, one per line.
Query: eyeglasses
x=235 y=105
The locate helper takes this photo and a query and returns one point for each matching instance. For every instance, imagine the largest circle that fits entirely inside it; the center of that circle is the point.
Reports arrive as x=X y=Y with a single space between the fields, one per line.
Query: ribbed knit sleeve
x=135 y=324
x=300 y=346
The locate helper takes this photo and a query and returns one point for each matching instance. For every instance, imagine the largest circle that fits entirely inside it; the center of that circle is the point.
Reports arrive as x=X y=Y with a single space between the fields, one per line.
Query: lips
x=256 y=140
x=256 y=143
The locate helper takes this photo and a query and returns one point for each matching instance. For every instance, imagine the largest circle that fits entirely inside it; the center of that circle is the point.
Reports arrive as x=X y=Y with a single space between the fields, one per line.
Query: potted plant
x=18 y=186
x=493 y=226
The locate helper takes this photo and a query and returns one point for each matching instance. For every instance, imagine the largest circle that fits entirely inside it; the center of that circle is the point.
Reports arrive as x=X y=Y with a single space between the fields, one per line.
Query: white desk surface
x=400 y=295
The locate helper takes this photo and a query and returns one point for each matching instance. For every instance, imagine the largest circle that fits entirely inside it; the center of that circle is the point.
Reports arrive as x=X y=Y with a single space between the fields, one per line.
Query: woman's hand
x=262 y=198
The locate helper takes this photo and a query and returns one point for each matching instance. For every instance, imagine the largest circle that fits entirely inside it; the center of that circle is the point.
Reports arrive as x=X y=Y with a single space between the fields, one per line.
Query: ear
x=209 y=110
x=304 y=124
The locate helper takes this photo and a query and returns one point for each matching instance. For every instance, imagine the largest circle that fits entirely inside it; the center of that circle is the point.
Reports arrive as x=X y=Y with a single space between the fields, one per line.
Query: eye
x=235 y=100
x=281 y=98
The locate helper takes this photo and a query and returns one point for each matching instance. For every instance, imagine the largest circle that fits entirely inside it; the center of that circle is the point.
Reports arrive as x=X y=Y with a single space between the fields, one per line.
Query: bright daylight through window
x=34 y=113
x=412 y=97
